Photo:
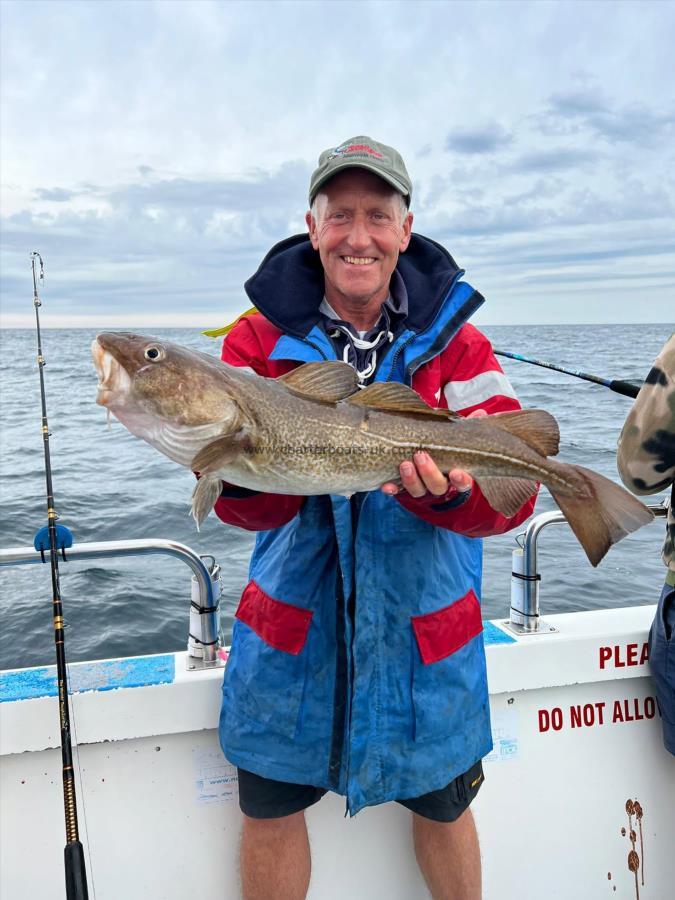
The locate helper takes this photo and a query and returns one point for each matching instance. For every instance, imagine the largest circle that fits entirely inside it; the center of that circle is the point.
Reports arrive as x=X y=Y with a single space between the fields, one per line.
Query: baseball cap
x=362 y=152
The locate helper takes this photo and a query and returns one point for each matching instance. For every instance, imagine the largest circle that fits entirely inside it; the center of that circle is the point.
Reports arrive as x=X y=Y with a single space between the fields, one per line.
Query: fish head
x=157 y=388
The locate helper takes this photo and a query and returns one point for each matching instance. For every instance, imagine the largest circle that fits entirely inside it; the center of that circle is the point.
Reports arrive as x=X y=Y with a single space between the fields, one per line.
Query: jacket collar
x=289 y=284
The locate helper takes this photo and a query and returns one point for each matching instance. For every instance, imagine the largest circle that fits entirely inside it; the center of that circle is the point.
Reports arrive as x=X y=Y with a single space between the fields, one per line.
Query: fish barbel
x=313 y=432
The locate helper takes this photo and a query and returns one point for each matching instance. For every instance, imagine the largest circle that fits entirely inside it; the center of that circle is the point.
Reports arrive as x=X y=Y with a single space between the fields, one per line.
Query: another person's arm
x=646 y=452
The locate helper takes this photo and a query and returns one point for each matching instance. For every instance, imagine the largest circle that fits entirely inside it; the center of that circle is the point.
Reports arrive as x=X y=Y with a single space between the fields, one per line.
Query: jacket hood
x=289 y=285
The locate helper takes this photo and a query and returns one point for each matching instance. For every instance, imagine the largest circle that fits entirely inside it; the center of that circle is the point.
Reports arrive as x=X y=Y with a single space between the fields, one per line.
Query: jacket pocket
x=266 y=671
x=281 y=625
x=449 y=681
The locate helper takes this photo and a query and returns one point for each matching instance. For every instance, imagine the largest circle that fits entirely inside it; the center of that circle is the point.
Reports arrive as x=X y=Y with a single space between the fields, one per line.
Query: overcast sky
x=154 y=151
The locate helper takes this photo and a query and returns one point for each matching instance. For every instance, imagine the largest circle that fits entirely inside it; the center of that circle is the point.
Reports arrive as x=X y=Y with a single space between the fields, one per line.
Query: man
x=357 y=660
x=646 y=463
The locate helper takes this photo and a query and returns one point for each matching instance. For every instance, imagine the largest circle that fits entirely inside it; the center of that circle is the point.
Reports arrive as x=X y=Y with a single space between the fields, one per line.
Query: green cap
x=362 y=153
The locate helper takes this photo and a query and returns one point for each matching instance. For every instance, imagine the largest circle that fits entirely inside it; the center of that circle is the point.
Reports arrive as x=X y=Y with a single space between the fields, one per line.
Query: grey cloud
x=635 y=123
x=554 y=160
x=478 y=140
x=55 y=195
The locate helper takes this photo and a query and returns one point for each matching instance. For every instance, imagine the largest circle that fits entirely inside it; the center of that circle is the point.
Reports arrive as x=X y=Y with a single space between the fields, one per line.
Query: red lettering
x=575 y=716
x=650 y=707
x=589 y=714
x=601 y=709
x=605 y=655
x=617 y=715
x=552 y=719
x=617 y=659
x=644 y=656
x=631 y=650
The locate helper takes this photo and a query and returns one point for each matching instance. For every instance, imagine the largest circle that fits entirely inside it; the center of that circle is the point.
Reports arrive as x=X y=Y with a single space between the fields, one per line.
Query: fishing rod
x=76 y=875
x=619 y=387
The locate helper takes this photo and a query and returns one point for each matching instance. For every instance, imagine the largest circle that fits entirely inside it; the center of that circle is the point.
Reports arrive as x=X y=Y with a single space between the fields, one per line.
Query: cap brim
x=352 y=164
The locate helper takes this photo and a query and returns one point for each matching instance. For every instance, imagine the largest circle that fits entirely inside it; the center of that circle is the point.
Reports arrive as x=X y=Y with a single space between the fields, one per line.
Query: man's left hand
x=421 y=475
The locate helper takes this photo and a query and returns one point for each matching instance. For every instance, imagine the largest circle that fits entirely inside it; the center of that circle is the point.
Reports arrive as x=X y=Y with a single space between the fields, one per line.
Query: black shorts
x=263 y=798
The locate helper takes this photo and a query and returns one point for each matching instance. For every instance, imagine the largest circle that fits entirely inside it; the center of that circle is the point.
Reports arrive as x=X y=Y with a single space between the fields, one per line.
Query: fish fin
x=397 y=398
x=608 y=515
x=223 y=450
x=506 y=495
x=535 y=427
x=204 y=496
x=326 y=381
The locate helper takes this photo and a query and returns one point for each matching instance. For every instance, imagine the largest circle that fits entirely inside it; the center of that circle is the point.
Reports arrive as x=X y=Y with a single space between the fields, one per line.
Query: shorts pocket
x=267 y=668
x=449 y=682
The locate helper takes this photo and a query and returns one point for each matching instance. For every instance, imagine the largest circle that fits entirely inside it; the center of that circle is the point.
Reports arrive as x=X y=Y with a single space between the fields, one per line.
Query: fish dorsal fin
x=506 y=495
x=221 y=451
x=397 y=398
x=325 y=381
x=535 y=427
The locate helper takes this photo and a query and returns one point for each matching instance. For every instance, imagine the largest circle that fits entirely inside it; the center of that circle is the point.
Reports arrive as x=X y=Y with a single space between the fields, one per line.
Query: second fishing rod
x=617 y=385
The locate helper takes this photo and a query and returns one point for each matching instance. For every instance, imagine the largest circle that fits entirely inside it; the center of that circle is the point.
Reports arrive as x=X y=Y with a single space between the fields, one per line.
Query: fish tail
x=602 y=515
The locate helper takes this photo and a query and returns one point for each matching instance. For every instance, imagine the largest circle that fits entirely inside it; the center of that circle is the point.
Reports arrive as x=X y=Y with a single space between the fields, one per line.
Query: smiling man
x=357 y=662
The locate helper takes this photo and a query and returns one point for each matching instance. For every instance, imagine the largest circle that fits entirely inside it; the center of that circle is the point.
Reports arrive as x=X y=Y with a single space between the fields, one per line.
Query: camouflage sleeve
x=646 y=452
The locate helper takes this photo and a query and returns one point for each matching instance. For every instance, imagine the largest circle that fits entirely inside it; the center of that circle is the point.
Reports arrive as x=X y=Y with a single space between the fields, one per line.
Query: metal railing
x=526 y=577
x=203 y=647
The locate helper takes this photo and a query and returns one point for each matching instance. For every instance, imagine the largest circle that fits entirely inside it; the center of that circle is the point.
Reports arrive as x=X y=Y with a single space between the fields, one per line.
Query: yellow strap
x=219 y=332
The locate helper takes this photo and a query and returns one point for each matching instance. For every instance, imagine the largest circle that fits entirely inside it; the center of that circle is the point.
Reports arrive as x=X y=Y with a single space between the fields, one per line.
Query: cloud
x=555 y=159
x=487 y=139
x=55 y=195
x=634 y=123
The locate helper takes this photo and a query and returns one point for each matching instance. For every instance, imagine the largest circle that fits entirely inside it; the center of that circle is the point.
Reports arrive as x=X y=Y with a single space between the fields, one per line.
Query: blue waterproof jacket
x=357 y=660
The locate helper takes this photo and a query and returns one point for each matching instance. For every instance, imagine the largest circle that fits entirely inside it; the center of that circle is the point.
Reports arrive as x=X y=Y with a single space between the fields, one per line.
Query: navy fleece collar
x=289 y=285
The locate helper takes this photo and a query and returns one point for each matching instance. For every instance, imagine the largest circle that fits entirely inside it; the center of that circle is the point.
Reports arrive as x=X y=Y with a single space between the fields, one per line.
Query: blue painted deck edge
x=107 y=675
x=492 y=634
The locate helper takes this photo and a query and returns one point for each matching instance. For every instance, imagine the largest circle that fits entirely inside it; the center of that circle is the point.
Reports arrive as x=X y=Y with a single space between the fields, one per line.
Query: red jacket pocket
x=281 y=625
x=443 y=632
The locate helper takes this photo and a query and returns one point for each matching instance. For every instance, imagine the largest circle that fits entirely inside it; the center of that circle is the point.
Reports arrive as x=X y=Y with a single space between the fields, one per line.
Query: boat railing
x=204 y=634
x=526 y=578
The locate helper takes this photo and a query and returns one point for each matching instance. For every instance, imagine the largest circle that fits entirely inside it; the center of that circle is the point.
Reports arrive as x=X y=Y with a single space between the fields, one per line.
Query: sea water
x=108 y=485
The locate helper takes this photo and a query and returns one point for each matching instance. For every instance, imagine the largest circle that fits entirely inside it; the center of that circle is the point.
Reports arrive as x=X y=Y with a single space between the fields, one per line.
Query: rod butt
x=76 y=874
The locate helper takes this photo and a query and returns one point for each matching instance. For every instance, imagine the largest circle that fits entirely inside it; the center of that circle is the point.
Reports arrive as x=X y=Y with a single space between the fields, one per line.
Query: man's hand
x=421 y=475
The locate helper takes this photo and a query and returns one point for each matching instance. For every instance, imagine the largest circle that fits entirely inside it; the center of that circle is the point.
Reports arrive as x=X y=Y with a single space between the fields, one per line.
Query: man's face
x=359 y=232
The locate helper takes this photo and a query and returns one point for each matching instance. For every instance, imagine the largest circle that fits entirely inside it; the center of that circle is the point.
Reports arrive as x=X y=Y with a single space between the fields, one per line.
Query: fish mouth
x=113 y=379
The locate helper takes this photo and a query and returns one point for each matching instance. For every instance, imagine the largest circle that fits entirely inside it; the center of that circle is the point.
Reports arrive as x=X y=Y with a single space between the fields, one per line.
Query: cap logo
x=348 y=149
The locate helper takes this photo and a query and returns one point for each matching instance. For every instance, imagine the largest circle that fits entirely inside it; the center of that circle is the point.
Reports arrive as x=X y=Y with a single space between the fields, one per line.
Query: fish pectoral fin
x=204 y=496
x=506 y=495
x=535 y=427
x=325 y=381
x=221 y=451
x=397 y=398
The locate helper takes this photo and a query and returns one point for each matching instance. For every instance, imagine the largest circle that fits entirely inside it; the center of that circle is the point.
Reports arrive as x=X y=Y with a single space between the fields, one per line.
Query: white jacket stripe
x=462 y=394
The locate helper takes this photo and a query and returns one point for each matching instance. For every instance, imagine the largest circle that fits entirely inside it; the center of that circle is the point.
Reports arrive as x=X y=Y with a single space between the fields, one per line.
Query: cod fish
x=313 y=432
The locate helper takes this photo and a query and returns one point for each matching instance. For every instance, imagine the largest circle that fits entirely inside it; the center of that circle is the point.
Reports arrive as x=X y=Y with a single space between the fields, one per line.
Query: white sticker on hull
x=504 y=735
x=215 y=778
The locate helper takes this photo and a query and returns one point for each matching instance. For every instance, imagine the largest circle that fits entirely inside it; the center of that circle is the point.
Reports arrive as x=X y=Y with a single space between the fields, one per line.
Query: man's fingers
x=432 y=479
x=411 y=481
x=460 y=480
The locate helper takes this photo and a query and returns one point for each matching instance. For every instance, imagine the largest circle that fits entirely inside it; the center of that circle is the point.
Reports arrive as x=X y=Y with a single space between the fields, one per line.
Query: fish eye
x=153 y=353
